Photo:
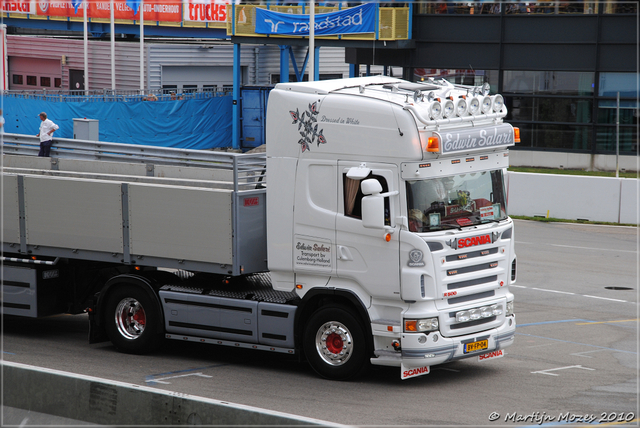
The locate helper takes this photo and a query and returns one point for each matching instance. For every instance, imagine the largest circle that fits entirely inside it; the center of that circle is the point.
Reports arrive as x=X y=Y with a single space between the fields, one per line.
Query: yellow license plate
x=480 y=345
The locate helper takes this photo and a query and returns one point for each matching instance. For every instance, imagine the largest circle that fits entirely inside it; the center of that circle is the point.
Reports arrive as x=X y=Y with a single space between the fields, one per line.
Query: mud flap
x=406 y=373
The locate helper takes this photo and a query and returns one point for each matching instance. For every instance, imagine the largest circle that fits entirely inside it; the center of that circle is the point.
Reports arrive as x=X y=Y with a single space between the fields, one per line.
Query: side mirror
x=372 y=205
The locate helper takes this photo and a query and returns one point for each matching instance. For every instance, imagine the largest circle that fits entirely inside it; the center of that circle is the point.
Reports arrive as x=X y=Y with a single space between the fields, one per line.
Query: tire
x=132 y=320
x=334 y=343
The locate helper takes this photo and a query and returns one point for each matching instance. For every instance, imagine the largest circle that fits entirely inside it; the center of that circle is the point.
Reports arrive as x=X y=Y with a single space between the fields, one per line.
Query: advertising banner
x=205 y=10
x=359 y=19
x=17 y=6
x=154 y=10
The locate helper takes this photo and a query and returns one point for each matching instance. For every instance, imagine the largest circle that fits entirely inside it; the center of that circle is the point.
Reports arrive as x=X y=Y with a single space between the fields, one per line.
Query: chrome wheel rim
x=334 y=343
x=130 y=318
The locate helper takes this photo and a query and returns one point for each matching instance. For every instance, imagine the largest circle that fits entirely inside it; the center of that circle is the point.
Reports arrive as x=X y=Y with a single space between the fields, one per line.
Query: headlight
x=509 y=308
x=448 y=108
x=479 y=313
x=498 y=102
x=461 y=107
x=474 y=106
x=435 y=110
x=415 y=326
x=486 y=104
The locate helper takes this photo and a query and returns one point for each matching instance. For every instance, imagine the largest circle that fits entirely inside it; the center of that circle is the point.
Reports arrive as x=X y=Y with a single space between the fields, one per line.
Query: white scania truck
x=379 y=233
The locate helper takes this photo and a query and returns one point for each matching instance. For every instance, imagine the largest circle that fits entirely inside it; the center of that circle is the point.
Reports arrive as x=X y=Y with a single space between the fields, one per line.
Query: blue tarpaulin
x=359 y=19
x=190 y=123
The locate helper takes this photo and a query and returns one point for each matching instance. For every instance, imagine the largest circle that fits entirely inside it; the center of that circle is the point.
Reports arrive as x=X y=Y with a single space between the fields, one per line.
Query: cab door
x=363 y=255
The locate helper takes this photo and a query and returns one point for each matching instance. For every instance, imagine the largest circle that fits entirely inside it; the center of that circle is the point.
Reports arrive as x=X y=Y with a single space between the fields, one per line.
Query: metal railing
x=248 y=168
x=118 y=95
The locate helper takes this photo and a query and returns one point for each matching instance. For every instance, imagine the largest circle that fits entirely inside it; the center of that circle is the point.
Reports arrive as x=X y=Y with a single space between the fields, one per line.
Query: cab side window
x=353 y=196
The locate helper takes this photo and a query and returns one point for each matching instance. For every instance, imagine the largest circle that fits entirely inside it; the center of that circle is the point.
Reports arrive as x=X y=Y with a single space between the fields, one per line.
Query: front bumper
x=436 y=349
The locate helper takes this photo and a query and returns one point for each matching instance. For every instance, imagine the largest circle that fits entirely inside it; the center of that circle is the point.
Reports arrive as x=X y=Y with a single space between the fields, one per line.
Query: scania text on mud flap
x=379 y=235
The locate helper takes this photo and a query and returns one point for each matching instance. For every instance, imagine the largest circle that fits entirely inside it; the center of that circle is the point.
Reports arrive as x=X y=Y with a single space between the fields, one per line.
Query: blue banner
x=359 y=19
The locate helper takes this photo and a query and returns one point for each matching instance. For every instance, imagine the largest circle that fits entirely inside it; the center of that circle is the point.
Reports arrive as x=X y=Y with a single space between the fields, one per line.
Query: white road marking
x=579 y=354
x=593 y=248
x=560 y=368
x=605 y=298
x=581 y=248
x=552 y=291
x=572 y=294
x=163 y=379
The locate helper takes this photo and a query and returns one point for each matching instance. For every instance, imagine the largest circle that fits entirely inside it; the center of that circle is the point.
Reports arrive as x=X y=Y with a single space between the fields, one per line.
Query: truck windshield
x=456 y=201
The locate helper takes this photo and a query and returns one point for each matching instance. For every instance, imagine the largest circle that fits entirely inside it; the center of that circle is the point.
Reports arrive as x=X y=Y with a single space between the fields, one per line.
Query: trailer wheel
x=132 y=320
x=334 y=343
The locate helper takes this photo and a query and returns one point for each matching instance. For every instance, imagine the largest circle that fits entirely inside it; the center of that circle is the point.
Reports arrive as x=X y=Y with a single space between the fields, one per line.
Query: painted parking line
x=162 y=377
x=571 y=294
x=604 y=298
x=547 y=371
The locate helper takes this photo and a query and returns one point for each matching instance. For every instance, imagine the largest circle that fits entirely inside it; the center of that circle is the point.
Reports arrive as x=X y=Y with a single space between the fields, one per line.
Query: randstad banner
x=359 y=19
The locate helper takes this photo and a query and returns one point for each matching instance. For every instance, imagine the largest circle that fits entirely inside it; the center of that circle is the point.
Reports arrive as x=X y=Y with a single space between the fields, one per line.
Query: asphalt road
x=575 y=354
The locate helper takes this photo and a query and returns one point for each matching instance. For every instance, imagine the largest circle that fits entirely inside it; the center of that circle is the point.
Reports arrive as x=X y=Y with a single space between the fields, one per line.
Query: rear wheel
x=132 y=320
x=334 y=343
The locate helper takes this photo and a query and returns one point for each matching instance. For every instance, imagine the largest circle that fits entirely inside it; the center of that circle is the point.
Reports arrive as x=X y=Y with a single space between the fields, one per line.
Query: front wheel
x=132 y=320
x=334 y=344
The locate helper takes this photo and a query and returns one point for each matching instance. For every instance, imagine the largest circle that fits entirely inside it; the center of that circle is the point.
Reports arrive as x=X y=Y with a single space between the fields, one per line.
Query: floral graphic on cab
x=308 y=127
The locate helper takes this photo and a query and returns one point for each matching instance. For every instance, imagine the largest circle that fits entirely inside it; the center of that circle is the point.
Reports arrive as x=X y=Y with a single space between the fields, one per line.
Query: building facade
x=560 y=66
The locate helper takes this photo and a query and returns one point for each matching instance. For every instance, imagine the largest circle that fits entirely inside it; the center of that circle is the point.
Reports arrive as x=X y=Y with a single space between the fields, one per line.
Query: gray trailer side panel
x=181 y=223
x=71 y=213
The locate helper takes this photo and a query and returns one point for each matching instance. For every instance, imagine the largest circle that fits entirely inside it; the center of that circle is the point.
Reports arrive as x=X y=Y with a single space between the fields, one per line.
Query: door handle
x=344 y=253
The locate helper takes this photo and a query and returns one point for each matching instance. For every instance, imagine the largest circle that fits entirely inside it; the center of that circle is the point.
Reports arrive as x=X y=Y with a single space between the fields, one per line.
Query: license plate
x=480 y=345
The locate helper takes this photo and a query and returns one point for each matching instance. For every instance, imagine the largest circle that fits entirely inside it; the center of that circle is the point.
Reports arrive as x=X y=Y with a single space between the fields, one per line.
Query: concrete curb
x=105 y=402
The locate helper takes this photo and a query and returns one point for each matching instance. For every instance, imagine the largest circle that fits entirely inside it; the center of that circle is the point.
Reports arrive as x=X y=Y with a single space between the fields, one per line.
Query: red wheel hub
x=334 y=343
x=139 y=317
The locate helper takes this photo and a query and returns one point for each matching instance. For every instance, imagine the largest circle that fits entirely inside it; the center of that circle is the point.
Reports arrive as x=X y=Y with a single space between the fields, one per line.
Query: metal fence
x=117 y=95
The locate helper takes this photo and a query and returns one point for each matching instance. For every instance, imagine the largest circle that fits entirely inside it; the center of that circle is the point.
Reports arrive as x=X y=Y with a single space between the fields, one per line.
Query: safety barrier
x=106 y=402
x=573 y=197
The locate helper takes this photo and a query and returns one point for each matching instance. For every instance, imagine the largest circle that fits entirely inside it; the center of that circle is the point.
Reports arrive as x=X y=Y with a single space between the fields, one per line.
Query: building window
x=57 y=82
x=189 y=88
x=551 y=136
x=167 y=89
x=549 y=109
x=32 y=81
x=548 y=82
x=45 y=82
x=209 y=88
x=18 y=79
x=609 y=113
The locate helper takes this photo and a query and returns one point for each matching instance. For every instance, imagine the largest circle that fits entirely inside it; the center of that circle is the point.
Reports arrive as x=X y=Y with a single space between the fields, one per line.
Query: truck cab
x=397 y=216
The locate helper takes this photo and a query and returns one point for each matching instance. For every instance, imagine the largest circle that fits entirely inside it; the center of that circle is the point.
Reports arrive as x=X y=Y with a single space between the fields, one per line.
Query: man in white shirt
x=46 y=135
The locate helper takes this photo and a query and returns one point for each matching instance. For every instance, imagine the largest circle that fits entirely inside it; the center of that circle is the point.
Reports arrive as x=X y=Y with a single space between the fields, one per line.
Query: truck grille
x=471 y=279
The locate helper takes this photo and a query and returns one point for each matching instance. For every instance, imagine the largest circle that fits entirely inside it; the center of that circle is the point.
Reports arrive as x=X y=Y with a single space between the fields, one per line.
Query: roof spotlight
x=498 y=102
x=486 y=88
x=461 y=107
x=474 y=106
x=486 y=104
x=448 y=108
x=435 y=110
